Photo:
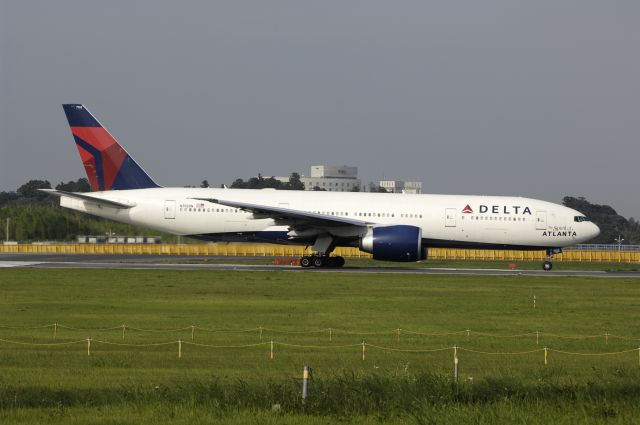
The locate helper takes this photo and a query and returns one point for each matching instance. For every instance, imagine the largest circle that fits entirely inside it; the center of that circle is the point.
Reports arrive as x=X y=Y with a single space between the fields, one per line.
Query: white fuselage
x=445 y=220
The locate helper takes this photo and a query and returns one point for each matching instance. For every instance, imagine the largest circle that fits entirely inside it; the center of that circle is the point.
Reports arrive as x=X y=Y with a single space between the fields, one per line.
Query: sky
x=530 y=98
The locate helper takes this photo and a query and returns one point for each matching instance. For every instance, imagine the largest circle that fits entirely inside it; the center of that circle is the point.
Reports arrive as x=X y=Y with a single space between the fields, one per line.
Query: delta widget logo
x=467 y=210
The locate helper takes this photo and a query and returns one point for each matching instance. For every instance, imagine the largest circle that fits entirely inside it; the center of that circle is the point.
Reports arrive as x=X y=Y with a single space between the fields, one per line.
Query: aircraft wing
x=279 y=213
x=98 y=201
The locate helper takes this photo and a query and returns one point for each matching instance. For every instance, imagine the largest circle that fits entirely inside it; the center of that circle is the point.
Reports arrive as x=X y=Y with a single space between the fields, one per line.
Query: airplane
x=392 y=227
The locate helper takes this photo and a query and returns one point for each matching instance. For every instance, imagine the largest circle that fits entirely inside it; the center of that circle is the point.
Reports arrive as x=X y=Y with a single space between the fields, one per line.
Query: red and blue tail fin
x=108 y=165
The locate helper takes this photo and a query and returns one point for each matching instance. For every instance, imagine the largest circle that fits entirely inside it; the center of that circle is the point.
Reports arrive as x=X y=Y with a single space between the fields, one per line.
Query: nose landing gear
x=548 y=265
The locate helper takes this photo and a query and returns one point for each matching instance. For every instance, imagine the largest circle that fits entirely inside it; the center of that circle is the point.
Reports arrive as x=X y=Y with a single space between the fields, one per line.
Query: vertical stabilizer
x=108 y=165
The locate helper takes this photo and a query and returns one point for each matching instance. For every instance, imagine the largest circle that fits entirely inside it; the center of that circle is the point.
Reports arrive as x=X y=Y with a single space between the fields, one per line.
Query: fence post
x=534 y=301
x=455 y=363
x=271 y=351
x=330 y=335
x=179 y=348
x=305 y=383
x=193 y=330
x=363 y=345
x=468 y=332
x=89 y=346
x=545 y=356
x=398 y=336
x=260 y=333
x=606 y=337
x=537 y=338
x=123 y=328
x=55 y=330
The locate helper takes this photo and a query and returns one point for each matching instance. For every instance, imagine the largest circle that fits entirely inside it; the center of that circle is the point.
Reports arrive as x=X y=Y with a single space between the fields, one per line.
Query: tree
x=294 y=182
x=204 y=183
x=260 y=182
x=30 y=189
x=80 y=185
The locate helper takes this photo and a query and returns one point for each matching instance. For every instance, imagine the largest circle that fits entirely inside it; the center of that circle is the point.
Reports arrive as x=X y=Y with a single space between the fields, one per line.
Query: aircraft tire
x=318 y=262
x=305 y=262
x=547 y=265
x=339 y=262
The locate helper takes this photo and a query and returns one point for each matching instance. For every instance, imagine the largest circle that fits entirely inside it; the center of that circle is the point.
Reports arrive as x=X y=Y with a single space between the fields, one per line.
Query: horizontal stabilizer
x=98 y=201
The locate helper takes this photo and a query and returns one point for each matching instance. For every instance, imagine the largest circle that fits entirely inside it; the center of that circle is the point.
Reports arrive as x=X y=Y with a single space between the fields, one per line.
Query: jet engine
x=394 y=243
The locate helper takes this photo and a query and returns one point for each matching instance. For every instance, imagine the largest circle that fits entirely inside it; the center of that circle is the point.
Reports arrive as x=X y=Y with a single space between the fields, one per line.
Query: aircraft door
x=450 y=217
x=541 y=220
x=169 y=209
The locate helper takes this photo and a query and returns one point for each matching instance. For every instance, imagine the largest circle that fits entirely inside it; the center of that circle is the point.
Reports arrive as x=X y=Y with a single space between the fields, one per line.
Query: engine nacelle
x=394 y=243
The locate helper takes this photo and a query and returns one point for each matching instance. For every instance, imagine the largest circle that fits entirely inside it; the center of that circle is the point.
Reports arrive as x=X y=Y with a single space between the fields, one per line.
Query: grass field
x=150 y=384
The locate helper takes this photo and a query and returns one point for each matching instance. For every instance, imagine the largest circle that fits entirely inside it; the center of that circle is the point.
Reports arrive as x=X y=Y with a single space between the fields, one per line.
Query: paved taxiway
x=157 y=262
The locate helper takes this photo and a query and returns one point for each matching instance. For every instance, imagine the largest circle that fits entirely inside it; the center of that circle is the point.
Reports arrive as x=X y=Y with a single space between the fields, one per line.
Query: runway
x=157 y=262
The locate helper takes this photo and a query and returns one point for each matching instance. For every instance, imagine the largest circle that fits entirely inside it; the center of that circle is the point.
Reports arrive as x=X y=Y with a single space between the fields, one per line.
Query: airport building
x=401 y=186
x=331 y=178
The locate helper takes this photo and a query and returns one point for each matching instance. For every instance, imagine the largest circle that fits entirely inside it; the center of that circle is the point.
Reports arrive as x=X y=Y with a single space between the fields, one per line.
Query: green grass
x=149 y=384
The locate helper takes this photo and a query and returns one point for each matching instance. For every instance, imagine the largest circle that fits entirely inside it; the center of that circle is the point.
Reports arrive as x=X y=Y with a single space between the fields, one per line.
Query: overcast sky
x=538 y=98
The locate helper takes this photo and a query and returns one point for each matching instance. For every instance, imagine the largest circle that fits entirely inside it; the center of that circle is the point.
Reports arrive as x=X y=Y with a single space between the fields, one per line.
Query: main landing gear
x=548 y=265
x=319 y=261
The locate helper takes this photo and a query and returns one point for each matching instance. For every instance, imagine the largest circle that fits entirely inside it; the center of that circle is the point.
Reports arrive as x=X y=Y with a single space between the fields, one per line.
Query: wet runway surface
x=164 y=262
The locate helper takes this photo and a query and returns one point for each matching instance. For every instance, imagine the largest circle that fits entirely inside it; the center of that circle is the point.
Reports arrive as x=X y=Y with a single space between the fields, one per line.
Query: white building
x=398 y=186
x=332 y=178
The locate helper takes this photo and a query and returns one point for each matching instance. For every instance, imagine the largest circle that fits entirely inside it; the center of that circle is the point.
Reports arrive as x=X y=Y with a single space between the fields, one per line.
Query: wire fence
x=328 y=332
x=90 y=345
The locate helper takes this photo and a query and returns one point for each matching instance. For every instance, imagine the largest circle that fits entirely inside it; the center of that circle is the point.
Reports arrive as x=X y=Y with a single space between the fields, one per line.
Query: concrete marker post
x=271 y=351
x=193 y=331
x=606 y=337
x=123 y=328
x=546 y=353
x=55 y=330
x=398 y=336
x=179 y=348
x=260 y=333
x=330 y=335
x=455 y=364
x=537 y=338
x=305 y=383
x=89 y=346
x=363 y=348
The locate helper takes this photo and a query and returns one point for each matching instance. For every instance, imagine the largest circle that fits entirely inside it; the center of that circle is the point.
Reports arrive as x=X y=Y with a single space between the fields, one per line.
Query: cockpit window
x=580 y=218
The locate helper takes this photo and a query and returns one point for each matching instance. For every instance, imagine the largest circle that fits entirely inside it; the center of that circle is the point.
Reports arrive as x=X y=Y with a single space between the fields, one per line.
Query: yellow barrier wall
x=268 y=250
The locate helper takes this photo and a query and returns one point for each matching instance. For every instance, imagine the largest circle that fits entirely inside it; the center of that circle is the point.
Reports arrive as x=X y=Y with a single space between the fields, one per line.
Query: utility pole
x=619 y=239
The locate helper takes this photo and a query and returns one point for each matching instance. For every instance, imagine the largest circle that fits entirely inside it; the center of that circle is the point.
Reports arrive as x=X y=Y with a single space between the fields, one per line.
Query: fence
x=270 y=250
x=327 y=334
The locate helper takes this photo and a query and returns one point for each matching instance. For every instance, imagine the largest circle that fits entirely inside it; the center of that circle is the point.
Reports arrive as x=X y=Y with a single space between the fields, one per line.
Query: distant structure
x=400 y=186
x=330 y=178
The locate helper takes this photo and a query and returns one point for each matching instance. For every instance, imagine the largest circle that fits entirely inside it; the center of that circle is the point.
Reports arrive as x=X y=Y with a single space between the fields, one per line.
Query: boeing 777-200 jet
x=392 y=227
